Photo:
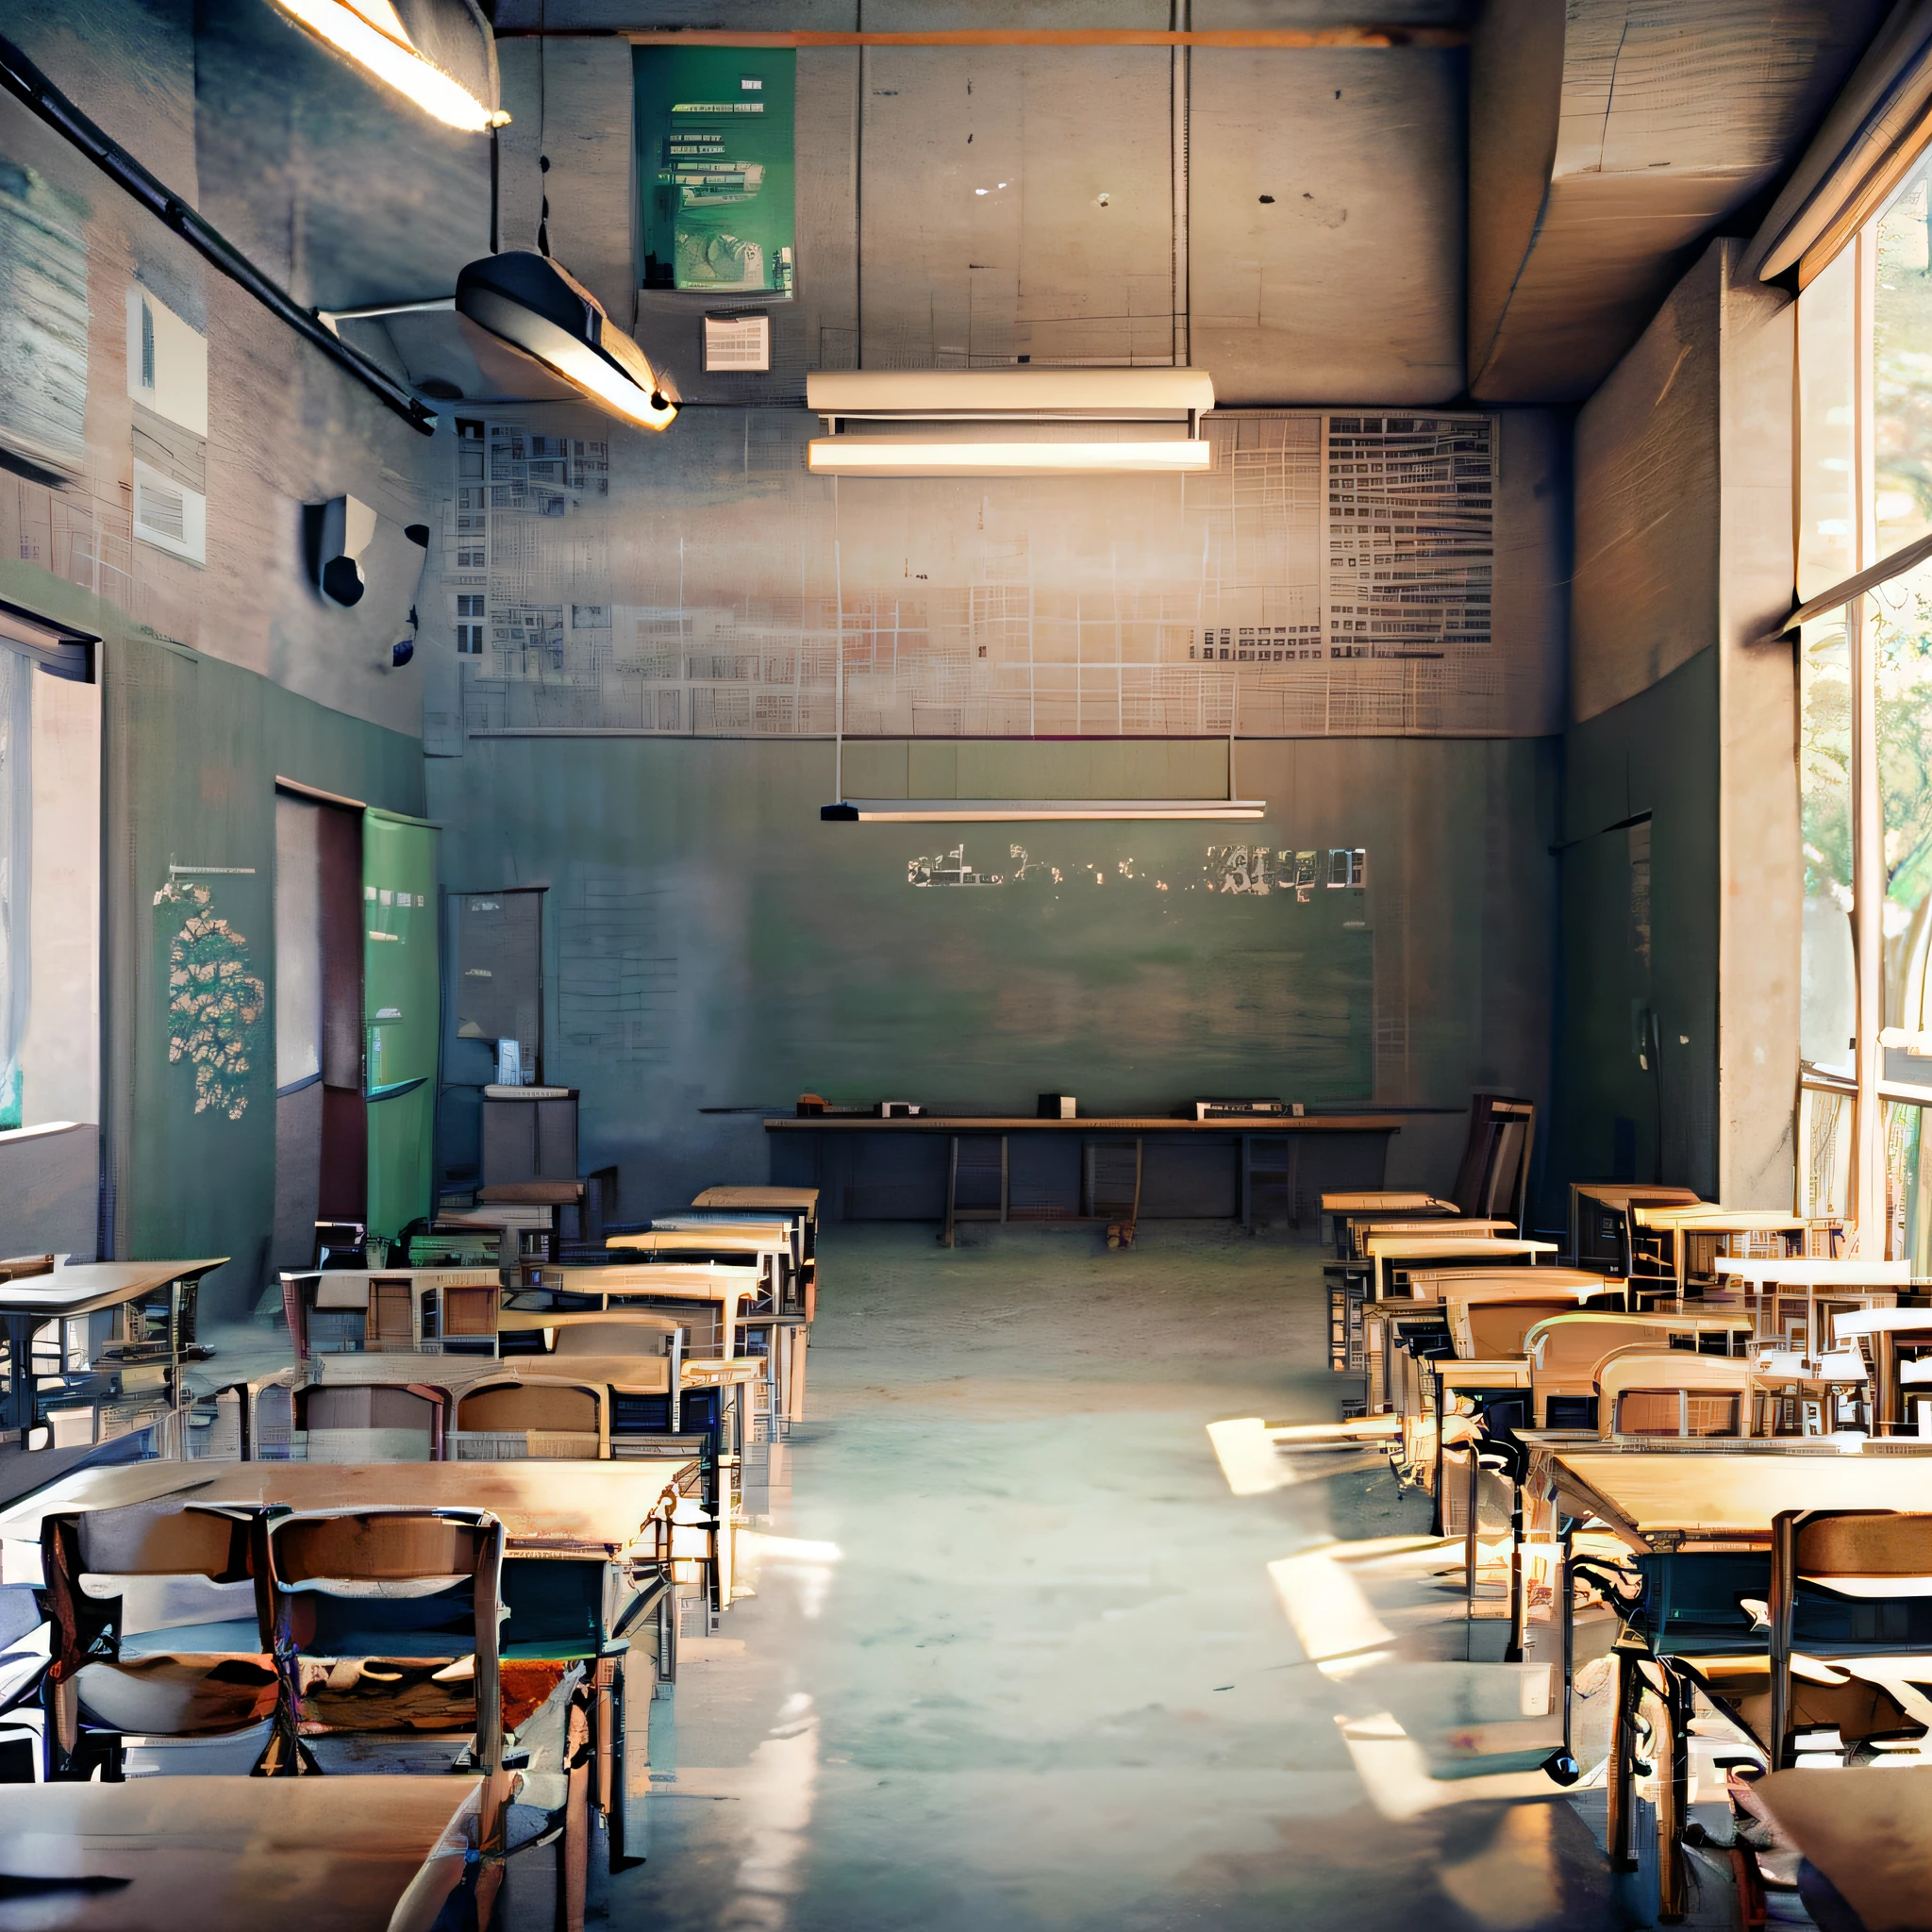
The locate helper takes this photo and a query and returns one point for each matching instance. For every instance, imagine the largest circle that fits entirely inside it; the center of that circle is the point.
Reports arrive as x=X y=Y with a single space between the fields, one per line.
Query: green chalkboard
x=716 y=177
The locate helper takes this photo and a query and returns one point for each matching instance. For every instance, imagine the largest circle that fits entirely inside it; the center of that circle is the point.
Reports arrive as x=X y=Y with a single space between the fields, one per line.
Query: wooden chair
x=1494 y=1179
x=1873 y=1570
x=179 y=1650
x=1567 y=1351
x=413 y=1592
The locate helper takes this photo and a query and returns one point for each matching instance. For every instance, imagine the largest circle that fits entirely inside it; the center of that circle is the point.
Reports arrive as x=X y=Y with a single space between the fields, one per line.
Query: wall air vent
x=170 y=515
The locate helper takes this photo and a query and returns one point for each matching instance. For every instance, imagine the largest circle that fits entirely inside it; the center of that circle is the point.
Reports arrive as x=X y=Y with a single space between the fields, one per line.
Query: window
x=1865 y=727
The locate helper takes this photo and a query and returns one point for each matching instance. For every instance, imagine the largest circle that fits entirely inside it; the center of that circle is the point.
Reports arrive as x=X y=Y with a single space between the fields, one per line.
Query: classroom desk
x=234 y=1853
x=122 y=1328
x=1709 y=1225
x=1600 y=1219
x=772 y=1248
x=1006 y=1168
x=601 y=1510
x=1683 y=1505
x=1473 y=1250
x=723 y=1286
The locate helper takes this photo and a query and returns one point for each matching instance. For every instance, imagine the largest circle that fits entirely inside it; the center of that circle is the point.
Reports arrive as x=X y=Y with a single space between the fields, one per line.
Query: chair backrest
x=379 y=1546
x=370 y=1422
x=624 y=1334
x=163 y=1538
x=1863 y=1543
x=1847 y=1544
x=354 y=1549
x=1491 y=1327
x=1494 y=1180
x=1673 y=1392
x=1569 y=1351
x=557 y=1408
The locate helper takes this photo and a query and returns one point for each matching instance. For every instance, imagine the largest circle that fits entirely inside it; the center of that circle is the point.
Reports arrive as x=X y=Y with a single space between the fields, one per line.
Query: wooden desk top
x=1721 y=1496
x=462 y=1376
x=1806 y=1272
x=594 y=1508
x=1387 y=1202
x=86 y=1286
x=1453 y=1244
x=1707 y=1217
x=1627 y=1194
x=1130 y=1123
x=807 y=1198
x=690 y=1281
x=229 y=1854
x=725 y=1239
x=530 y=1194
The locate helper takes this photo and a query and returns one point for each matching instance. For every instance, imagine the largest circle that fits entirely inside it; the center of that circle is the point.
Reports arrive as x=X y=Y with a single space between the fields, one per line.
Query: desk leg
x=1247 y=1161
x=1295 y=1184
x=952 y=1187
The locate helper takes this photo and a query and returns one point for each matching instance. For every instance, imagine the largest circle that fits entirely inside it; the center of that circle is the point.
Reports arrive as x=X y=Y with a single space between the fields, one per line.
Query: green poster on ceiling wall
x=715 y=167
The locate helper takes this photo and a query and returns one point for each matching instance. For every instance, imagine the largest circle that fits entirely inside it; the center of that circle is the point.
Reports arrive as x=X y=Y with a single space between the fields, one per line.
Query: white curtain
x=16 y=855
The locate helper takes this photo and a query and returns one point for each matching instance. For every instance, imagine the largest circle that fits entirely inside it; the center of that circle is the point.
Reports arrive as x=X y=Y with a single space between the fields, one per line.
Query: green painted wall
x=193 y=747
x=401 y=997
x=710 y=944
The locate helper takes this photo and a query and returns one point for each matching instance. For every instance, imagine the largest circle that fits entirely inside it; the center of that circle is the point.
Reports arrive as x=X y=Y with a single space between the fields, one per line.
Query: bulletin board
x=716 y=173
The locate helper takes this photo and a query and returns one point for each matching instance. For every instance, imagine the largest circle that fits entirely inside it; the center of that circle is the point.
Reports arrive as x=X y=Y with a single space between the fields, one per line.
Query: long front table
x=936 y=1167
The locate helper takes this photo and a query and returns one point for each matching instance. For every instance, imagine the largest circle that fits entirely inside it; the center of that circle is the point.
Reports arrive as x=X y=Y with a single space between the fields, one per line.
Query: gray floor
x=1015 y=1659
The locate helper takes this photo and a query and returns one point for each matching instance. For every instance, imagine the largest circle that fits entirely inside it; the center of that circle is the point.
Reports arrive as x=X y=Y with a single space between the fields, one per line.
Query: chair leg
x=1618 y=1793
x=1673 y=1758
x=573 y=1852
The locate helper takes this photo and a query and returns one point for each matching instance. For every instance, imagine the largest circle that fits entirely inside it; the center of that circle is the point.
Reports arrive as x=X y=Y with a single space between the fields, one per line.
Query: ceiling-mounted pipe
x=34 y=90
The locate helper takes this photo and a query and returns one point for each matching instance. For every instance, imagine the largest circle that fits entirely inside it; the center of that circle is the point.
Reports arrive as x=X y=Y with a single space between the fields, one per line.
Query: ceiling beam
x=1248 y=38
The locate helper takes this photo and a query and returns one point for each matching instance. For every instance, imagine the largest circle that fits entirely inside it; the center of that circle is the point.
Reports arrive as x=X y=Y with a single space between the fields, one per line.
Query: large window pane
x=1899 y=625
x=1825 y=779
x=1907 y=1184
x=1827 y=427
x=1902 y=363
x=1826 y=1122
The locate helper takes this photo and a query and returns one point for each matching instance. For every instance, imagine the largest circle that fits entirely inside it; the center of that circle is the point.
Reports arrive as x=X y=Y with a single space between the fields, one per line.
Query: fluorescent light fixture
x=923 y=812
x=1010 y=422
x=529 y=302
x=370 y=33
x=891 y=455
x=1111 y=395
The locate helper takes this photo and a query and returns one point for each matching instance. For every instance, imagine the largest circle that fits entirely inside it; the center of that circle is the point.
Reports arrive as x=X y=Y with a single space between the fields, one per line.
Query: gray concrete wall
x=1684 y=536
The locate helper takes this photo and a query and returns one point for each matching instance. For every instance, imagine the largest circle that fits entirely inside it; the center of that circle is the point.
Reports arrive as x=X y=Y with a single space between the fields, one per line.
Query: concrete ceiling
x=1608 y=136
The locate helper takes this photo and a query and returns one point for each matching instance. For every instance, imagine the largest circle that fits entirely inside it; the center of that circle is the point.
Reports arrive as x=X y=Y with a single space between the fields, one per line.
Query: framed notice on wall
x=714 y=127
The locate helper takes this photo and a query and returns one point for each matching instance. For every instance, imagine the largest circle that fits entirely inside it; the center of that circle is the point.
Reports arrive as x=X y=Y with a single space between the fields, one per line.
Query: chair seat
x=177 y=1696
x=232 y=1637
x=385 y=1693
